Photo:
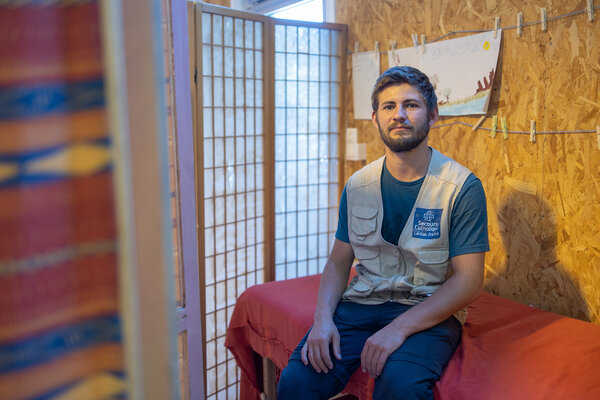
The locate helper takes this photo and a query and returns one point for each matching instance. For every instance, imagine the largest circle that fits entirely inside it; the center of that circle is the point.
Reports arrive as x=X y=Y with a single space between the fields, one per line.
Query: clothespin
x=415 y=39
x=377 y=46
x=544 y=18
x=532 y=131
x=520 y=23
x=504 y=128
x=392 y=45
x=356 y=46
x=598 y=135
x=478 y=124
x=590 y=10
x=422 y=43
x=494 y=126
x=496 y=27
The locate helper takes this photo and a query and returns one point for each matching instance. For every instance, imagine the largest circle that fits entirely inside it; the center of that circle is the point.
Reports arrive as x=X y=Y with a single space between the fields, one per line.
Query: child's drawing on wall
x=461 y=70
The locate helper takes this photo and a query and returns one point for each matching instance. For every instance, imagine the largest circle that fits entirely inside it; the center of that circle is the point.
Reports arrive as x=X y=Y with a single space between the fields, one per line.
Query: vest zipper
x=398 y=274
x=403 y=272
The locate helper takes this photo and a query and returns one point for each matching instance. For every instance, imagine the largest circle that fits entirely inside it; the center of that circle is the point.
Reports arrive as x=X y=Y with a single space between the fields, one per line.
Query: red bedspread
x=509 y=351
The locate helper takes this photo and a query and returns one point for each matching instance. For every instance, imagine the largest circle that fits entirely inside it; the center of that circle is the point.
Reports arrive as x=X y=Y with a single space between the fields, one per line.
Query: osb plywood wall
x=222 y=3
x=543 y=198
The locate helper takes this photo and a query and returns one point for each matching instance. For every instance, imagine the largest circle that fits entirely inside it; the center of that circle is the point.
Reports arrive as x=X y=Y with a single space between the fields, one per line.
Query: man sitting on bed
x=416 y=222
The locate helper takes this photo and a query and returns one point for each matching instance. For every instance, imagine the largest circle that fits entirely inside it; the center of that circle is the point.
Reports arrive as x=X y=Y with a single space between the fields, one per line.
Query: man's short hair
x=405 y=74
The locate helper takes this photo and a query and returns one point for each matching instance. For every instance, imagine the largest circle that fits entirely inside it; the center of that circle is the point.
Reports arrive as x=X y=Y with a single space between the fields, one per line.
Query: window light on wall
x=308 y=10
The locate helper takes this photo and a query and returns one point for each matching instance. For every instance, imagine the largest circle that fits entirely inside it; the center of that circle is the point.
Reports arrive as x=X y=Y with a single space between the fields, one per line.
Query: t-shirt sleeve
x=342 y=228
x=468 y=225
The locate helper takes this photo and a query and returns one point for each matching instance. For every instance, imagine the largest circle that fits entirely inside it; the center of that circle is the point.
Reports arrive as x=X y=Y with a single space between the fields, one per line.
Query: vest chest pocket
x=363 y=221
x=363 y=253
x=431 y=267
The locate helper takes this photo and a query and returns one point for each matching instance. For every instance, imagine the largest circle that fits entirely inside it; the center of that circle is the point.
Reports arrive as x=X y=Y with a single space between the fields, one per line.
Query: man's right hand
x=324 y=333
x=316 y=348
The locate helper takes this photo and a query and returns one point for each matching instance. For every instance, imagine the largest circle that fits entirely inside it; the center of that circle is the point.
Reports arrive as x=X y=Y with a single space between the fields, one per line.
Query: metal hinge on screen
x=195 y=75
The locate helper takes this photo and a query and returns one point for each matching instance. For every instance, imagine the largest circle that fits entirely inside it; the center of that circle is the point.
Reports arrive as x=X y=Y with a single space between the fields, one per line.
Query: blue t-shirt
x=468 y=223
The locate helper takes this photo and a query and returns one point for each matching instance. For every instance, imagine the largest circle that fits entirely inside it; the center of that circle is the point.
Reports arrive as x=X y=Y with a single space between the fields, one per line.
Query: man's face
x=402 y=117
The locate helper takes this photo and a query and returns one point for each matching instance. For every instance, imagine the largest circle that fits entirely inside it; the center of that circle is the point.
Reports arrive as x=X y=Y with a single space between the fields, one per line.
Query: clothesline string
x=517 y=132
x=516 y=26
x=509 y=27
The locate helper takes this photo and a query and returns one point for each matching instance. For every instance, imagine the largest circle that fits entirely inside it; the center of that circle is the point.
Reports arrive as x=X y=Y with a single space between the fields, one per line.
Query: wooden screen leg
x=269 y=380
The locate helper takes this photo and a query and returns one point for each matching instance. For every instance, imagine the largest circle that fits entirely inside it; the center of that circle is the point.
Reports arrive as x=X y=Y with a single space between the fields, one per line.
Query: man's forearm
x=333 y=283
x=456 y=293
x=334 y=279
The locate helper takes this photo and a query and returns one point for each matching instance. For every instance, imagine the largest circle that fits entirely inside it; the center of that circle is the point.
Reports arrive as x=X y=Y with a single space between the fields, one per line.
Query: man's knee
x=290 y=382
x=411 y=382
x=299 y=381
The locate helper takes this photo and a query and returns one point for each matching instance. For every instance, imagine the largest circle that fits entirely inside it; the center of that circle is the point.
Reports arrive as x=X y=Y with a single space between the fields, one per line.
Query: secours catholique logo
x=427 y=223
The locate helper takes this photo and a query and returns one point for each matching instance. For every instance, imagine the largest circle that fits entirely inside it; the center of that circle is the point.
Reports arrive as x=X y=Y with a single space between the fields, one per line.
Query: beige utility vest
x=412 y=269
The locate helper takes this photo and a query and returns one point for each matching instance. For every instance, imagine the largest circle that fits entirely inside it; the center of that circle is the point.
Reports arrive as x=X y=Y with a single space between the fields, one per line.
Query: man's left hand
x=378 y=348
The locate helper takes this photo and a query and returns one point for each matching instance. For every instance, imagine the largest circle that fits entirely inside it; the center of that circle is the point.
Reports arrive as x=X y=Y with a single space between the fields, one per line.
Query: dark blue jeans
x=409 y=373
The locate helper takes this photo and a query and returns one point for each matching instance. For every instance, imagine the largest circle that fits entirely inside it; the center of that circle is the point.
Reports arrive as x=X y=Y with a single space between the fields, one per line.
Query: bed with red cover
x=509 y=351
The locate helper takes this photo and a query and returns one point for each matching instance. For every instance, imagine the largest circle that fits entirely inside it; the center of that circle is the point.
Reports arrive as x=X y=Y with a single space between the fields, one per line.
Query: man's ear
x=433 y=116
x=374 y=120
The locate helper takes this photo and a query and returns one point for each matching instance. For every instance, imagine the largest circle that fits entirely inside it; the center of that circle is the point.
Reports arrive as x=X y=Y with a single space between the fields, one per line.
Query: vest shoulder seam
x=365 y=176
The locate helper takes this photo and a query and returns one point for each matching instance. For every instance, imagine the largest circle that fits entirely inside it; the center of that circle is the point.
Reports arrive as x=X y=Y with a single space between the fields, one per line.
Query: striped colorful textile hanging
x=60 y=329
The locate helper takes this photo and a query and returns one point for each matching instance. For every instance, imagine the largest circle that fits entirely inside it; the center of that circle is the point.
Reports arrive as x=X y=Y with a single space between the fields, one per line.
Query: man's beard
x=403 y=143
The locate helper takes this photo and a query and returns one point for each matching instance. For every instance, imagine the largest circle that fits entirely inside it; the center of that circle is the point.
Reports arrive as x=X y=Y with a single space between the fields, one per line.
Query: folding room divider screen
x=268 y=115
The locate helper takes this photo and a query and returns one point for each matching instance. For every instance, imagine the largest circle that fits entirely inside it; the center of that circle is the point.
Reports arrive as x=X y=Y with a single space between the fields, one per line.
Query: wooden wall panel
x=222 y=3
x=543 y=198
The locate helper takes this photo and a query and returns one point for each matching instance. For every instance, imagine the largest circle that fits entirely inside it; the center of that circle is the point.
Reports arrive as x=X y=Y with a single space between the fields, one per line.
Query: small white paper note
x=365 y=71
x=356 y=152
x=351 y=136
